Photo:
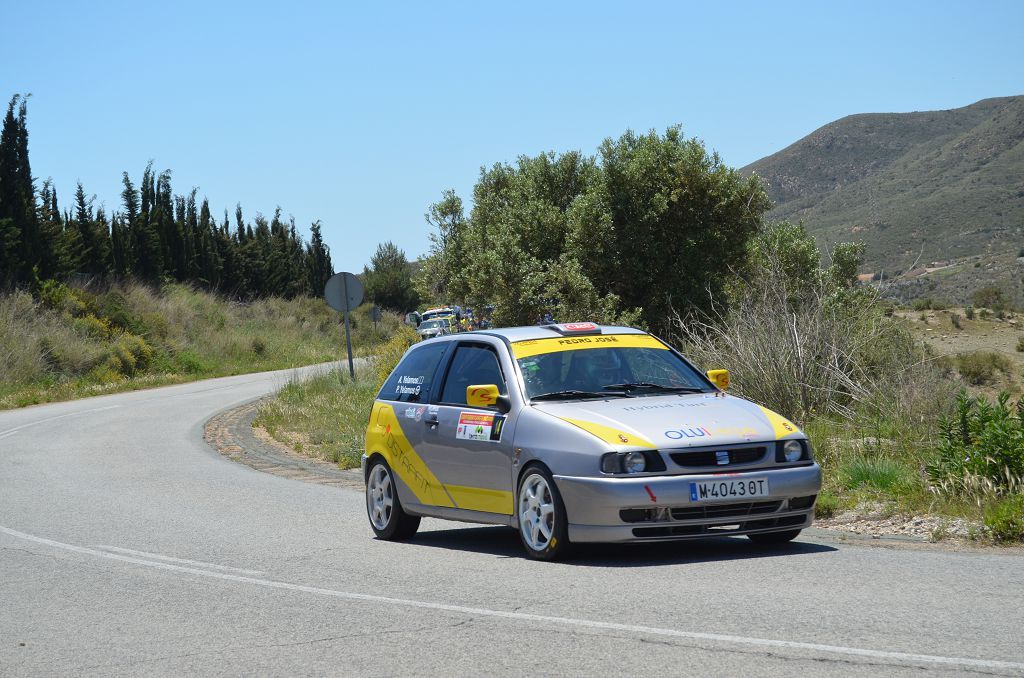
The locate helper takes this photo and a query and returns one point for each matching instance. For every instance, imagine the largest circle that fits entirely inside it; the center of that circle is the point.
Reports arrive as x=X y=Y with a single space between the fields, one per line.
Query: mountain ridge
x=920 y=186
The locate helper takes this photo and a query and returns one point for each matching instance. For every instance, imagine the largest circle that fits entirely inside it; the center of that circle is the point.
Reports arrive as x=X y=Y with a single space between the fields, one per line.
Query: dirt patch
x=232 y=434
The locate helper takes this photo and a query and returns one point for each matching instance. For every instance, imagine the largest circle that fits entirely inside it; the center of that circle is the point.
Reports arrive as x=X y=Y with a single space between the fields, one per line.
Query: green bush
x=879 y=473
x=981 y=448
x=1020 y=345
x=1005 y=519
x=826 y=506
x=388 y=355
x=981 y=367
x=969 y=312
x=990 y=297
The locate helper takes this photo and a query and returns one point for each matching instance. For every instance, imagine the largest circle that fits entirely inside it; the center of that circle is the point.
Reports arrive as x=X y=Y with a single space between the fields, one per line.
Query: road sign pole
x=343 y=292
x=348 y=332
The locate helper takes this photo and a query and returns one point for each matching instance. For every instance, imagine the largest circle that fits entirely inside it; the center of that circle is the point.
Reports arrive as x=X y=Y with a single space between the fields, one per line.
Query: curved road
x=128 y=547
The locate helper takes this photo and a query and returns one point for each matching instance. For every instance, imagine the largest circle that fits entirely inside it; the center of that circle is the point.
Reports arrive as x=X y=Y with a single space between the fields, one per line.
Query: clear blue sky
x=361 y=115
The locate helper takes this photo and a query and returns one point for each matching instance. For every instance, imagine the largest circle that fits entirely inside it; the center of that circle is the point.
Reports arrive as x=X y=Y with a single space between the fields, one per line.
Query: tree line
x=156 y=236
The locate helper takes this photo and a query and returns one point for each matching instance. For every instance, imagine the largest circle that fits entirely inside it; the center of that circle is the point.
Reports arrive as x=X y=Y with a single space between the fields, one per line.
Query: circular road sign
x=343 y=292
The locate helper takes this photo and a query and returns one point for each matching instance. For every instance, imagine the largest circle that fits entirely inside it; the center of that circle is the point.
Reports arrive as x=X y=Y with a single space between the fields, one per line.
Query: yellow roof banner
x=531 y=347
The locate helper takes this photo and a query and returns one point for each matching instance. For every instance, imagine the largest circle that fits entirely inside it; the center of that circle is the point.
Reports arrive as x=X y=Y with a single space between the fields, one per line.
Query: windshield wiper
x=572 y=394
x=648 y=386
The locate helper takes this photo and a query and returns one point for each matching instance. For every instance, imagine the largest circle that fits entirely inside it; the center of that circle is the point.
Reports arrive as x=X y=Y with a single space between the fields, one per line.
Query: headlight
x=637 y=461
x=792 y=450
x=634 y=462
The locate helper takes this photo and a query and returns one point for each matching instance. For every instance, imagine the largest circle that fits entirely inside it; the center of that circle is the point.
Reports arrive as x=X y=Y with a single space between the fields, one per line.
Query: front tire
x=770 y=538
x=543 y=524
x=383 y=508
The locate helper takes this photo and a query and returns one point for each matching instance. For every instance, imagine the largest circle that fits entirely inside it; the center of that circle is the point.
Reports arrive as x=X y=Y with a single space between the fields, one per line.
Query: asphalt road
x=128 y=547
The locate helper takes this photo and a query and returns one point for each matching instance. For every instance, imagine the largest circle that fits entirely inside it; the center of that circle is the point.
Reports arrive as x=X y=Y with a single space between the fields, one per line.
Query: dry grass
x=71 y=343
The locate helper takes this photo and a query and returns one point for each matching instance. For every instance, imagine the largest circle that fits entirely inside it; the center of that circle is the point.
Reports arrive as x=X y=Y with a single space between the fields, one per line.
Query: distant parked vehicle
x=438 y=327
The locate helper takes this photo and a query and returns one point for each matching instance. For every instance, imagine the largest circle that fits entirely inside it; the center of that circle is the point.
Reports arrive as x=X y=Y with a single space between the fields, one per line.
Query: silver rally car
x=580 y=433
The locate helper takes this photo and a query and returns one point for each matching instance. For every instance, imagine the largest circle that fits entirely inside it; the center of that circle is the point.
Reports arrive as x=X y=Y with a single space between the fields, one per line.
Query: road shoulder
x=231 y=434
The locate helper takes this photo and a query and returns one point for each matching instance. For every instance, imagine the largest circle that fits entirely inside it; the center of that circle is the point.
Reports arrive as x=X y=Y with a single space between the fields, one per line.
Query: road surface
x=128 y=547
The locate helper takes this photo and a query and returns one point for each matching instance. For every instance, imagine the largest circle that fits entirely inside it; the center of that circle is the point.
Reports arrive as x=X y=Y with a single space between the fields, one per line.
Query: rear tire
x=383 y=508
x=769 y=538
x=543 y=523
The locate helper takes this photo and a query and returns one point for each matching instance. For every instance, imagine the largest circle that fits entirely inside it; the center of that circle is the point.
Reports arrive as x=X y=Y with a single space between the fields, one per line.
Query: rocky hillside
x=915 y=187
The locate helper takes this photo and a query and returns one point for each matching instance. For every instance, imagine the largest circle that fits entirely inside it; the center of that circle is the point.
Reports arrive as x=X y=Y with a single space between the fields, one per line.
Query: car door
x=470 y=448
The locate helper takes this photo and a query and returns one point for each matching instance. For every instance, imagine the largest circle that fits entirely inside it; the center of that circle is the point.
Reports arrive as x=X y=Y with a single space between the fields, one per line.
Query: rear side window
x=410 y=382
x=472 y=365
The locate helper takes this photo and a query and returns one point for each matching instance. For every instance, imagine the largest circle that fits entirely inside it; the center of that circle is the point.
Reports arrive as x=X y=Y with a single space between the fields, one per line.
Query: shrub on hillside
x=990 y=297
x=982 y=367
x=806 y=340
x=981 y=448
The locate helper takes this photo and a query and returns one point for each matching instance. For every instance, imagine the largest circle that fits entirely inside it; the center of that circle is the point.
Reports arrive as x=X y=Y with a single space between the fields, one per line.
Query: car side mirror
x=487 y=395
x=719 y=378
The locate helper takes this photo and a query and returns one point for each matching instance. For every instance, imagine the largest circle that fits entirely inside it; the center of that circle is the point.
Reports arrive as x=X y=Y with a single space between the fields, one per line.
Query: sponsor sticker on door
x=476 y=426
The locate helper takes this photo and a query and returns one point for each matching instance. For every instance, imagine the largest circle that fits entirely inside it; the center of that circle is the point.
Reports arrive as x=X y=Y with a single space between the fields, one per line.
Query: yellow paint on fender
x=611 y=435
x=385 y=436
x=525 y=349
x=783 y=427
x=480 y=499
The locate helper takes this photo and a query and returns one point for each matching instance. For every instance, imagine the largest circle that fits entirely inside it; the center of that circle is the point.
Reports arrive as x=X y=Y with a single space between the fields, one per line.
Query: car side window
x=411 y=380
x=471 y=365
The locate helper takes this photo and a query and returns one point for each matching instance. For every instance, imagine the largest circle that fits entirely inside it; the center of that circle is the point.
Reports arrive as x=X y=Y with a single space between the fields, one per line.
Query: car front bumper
x=652 y=508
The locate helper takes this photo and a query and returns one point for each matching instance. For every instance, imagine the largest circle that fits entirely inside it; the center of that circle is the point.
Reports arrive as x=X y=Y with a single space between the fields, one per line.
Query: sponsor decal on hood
x=674 y=421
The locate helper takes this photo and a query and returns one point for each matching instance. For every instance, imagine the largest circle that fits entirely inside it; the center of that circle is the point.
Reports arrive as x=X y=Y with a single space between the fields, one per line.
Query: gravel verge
x=232 y=434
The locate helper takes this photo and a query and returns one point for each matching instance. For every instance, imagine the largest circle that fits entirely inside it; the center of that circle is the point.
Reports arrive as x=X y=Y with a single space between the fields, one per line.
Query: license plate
x=728 y=490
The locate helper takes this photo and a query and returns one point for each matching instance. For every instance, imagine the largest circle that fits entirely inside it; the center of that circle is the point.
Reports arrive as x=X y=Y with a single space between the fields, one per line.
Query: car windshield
x=647 y=370
x=430 y=324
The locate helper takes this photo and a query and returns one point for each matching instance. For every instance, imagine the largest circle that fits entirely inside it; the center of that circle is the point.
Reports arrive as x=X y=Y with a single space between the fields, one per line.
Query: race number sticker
x=476 y=426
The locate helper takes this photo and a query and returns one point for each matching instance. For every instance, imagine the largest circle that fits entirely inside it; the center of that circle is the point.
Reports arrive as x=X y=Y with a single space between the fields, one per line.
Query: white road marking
x=893 y=657
x=16 y=429
x=183 y=561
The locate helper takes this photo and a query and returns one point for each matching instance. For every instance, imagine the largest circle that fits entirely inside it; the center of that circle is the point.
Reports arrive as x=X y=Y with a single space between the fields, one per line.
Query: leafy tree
x=442 y=264
x=653 y=223
x=388 y=281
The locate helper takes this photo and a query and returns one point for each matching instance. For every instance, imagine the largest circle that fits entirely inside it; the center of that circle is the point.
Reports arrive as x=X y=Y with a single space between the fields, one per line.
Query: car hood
x=674 y=421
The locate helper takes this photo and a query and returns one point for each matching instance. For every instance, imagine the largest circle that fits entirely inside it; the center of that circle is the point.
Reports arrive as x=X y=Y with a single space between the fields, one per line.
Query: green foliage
x=621 y=237
x=981 y=448
x=990 y=297
x=389 y=353
x=323 y=417
x=826 y=506
x=388 y=279
x=969 y=312
x=1005 y=519
x=803 y=340
x=879 y=473
x=982 y=367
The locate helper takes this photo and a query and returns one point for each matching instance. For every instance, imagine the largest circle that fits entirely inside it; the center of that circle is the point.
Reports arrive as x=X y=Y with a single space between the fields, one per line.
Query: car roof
x=530 y=332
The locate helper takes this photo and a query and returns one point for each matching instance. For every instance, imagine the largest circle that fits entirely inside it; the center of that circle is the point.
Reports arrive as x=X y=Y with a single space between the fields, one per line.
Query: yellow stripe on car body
x=481 y=499
x=783 y=427
x=531 y=347
x=387 y=438
x=610 y=435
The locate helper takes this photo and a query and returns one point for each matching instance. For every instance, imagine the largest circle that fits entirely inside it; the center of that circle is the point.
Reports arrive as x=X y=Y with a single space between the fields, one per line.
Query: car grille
x=707 y=512
x=701 y=530
x=725 y=510
x=742 y=455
